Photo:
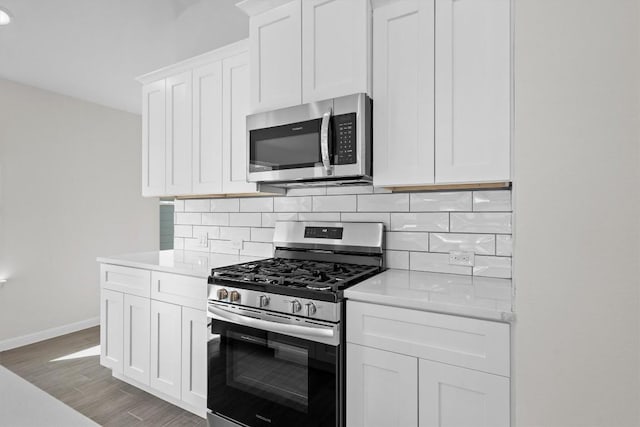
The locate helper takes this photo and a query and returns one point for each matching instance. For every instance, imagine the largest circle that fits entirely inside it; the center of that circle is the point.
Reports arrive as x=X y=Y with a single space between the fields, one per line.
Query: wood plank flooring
x=88 y=387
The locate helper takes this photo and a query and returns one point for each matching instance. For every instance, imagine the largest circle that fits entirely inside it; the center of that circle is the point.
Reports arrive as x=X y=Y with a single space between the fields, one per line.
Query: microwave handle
x=324 y=141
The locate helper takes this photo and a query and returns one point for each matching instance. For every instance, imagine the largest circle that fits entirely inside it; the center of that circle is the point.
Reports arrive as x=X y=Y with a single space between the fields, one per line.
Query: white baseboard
x=10 y=343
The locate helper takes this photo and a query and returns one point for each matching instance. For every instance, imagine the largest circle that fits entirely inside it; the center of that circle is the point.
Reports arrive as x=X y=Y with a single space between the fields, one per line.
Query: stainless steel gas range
x=276 y=347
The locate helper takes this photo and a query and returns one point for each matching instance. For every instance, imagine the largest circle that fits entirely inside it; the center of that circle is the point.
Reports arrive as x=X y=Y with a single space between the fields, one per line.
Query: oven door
x=258 y=377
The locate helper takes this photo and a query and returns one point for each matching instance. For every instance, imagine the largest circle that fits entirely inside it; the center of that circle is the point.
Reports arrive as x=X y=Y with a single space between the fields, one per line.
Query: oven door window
x=290 y=146
x=261 y=378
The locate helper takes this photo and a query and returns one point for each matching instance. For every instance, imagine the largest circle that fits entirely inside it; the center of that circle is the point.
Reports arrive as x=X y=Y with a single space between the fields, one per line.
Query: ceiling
x=94 y=49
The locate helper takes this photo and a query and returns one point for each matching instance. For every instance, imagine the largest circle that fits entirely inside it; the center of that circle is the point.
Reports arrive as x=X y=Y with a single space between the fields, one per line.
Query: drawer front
x=129 y=280
x=459 y=341
x=177 y=289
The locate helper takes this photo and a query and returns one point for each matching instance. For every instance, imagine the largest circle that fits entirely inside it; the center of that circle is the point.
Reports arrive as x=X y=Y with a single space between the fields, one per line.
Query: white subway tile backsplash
x=441 y=202
x=383 y=203
x=319 y=216
x=420 y=221
x=225 y=205
x=384 y=217
x=245 y=219
x=178 y=243
x=350 y=189
x=397 y=259
x=256 y=204
x=334 y=203
x=491 y=266
x=189 y=218
x=407 y=241
x=257 y=249
x=197 y=205
x=481 y=222
x=213 y=232
x=178 y=205
x=183 y=230
x=222 y=247
x=212 y=218
x=292 y=204
x=235 y=233
x=269 y=219
x=503 y=245
x=262 y=235
x=492 y=200
x=438 y=263
x=478 y=243
x=194 y=245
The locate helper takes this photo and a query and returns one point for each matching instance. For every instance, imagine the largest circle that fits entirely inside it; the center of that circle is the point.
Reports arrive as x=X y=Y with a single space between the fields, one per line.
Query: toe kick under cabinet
x=413 y=368
x=153 y=333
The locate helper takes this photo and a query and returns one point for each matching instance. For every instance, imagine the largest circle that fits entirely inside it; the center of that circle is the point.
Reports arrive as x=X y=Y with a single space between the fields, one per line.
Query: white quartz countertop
x=481 y=297
x=191 y=263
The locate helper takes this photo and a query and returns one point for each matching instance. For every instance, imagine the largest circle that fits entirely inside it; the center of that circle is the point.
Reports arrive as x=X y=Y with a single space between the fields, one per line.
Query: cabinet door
x=194 y=357
x=207 y=129
x=275 y=46
x=111 y=329
x=179 y=127
x=403 y=90
x=473 y=68
x=235 y=103
x=382 y=388
x=336 y=48
x=166 y=347
x=457 y=397
x=153 y=139
x=136 y=337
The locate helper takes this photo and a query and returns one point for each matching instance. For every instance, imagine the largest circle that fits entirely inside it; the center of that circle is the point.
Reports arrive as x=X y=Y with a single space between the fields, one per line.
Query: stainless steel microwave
x=325 y=142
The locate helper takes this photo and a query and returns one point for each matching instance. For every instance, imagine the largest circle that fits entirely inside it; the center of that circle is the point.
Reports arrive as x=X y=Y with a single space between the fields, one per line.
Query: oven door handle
x=224 y=315
x=324 y=141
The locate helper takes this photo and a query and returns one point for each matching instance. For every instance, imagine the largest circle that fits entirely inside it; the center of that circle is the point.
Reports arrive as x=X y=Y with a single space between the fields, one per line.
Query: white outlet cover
x=462 y=258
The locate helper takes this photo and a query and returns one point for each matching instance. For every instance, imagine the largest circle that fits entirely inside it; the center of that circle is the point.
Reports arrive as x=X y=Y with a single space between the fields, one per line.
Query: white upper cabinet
x=442 y=91
x=178 y=136
x=403 y=93
x=235 y=106
x=336 y=48
x=207 y=129
x=153 y=139
x=275 y=46
x=473 y=90
x=307 y=50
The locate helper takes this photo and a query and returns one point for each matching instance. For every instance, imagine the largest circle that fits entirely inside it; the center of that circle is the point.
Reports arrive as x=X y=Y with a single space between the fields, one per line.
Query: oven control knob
x=295 y=306
x=222 y=293
x=311 y=309
x=263 y=301
x=234 y=296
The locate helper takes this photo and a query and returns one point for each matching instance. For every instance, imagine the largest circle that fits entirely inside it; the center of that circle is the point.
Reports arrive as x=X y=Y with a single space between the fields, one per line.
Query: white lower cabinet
x=166 y=348
x=111 y=332
x=450 y=396
x=381 y=388
x=136 y=337
x=194 y=357
x=390 y=381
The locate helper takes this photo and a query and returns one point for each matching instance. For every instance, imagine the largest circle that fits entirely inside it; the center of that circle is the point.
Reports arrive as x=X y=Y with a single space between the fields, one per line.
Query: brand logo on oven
x=260 y=417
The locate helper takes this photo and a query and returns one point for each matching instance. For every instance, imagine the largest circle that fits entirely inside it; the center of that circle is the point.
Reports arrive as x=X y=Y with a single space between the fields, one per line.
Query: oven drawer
x=460 y=341
x=133 y=281
x=178 y=289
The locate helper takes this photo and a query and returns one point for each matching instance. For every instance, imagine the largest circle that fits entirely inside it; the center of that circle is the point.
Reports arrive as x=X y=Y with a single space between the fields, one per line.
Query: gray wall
x=577 y=215
x=69 y=191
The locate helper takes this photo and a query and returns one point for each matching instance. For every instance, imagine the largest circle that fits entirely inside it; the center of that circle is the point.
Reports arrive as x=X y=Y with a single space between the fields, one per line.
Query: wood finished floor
x=88 y=387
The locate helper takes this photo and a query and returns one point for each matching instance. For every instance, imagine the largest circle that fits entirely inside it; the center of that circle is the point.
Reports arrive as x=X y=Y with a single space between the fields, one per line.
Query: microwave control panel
x=344 y=128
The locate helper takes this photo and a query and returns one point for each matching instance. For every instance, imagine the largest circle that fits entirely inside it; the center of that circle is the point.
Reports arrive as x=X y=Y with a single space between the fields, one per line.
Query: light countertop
x=481 y=297
x=191 y=263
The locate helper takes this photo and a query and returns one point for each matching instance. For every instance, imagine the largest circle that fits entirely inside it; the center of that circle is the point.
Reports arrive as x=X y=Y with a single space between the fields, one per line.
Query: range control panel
x=344 y=129
x=323 y=232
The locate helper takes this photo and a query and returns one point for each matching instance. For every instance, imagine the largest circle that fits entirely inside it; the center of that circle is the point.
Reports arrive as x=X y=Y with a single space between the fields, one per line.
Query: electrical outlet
x=236 y=243
x=203 y=240
x=462 y=258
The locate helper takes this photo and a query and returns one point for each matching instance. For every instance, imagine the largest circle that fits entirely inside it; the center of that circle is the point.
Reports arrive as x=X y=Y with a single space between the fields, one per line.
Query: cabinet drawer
x=129 y=280
x=459 y=341
x=177 y=289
